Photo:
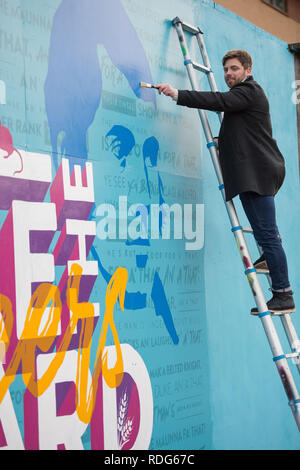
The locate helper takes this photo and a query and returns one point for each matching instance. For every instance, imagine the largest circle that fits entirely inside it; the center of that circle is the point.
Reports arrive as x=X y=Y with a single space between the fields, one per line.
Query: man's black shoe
x=281 y=302
x=260 y=264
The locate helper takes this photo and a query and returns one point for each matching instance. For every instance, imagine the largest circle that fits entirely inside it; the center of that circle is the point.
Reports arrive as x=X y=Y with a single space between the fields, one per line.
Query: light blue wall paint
x=249 y=405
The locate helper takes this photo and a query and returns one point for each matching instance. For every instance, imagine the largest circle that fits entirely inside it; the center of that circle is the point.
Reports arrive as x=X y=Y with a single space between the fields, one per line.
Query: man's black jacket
x=249 y=156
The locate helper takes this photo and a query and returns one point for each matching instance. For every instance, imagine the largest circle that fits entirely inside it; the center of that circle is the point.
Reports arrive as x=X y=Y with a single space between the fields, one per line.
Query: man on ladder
x=252 y=165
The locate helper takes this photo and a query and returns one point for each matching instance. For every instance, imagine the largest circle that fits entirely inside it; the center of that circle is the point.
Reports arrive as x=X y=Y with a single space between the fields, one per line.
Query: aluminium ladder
x=279 y=357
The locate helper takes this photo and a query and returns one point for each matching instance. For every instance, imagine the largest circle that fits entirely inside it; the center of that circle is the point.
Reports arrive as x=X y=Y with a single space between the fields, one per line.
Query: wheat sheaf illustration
x=125 y=424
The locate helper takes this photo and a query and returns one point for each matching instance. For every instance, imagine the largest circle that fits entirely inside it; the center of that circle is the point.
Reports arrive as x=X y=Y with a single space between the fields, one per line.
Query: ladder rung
x=262 y=271
x=186 y=26
x=288 y=356
x=200 y=67
x=247 y=230
x=281 y=313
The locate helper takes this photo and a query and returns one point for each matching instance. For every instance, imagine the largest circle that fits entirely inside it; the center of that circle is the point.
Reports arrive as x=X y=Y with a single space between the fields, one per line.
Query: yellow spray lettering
x=45 y=295
x=113 y=377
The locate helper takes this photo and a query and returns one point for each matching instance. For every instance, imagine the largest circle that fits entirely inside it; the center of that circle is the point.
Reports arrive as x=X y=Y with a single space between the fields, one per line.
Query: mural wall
x=117 y=326
x=249 y=407
x=102 y=225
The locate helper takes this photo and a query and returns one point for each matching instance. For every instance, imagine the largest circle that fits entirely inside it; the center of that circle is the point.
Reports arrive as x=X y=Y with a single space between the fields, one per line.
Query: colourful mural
x=124 y=319
x=100 y=219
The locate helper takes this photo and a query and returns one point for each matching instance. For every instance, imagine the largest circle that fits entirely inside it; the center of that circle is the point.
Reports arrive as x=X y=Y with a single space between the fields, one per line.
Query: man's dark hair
x=243 y=56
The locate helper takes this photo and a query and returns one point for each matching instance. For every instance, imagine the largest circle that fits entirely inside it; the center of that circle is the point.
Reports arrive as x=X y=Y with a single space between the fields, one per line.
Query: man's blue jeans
x=260 y=211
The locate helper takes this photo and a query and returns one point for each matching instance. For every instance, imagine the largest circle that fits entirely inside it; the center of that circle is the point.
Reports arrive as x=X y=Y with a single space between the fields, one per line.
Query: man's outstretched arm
x=237 y=99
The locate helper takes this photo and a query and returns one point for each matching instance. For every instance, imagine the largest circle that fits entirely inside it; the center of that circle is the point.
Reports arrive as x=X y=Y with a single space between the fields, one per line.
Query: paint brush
x=147 y=85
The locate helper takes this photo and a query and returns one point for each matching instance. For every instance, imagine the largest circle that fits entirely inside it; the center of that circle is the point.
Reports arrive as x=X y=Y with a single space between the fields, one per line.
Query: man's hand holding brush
x=164 y=88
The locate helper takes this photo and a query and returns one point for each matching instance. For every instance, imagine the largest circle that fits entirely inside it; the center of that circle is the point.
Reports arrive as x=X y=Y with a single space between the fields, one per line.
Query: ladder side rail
x=280 y=360
x=292 y=336
x=287 y=324
x=201 y=112
x=210 y=76
x=271 y=333
x=289 y=328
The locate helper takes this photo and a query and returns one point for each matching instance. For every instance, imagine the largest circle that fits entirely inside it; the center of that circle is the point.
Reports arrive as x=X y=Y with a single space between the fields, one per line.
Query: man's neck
x=248 y=76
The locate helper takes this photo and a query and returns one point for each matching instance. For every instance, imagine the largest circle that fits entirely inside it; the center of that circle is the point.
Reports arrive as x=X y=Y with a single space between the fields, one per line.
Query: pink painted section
x=31 y=422
x=7 y=275
x=97 y=431
x=66 y=209
x=127 y=397
x=84 y=177
x=72 y=178
x=86 y=281
x=57 y=190
x=133 y=413
x=6 y=140
x=65 y=398
x=63 y=247
x=3 y=442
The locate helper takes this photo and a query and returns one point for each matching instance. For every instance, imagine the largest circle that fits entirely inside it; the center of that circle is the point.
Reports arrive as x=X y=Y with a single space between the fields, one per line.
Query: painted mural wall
x=121 y=320
x=102 y=228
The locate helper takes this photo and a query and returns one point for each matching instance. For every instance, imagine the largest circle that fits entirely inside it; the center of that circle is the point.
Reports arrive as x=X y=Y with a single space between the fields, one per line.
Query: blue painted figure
x=73 y=84
x=121 y=143
x=73 y=89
